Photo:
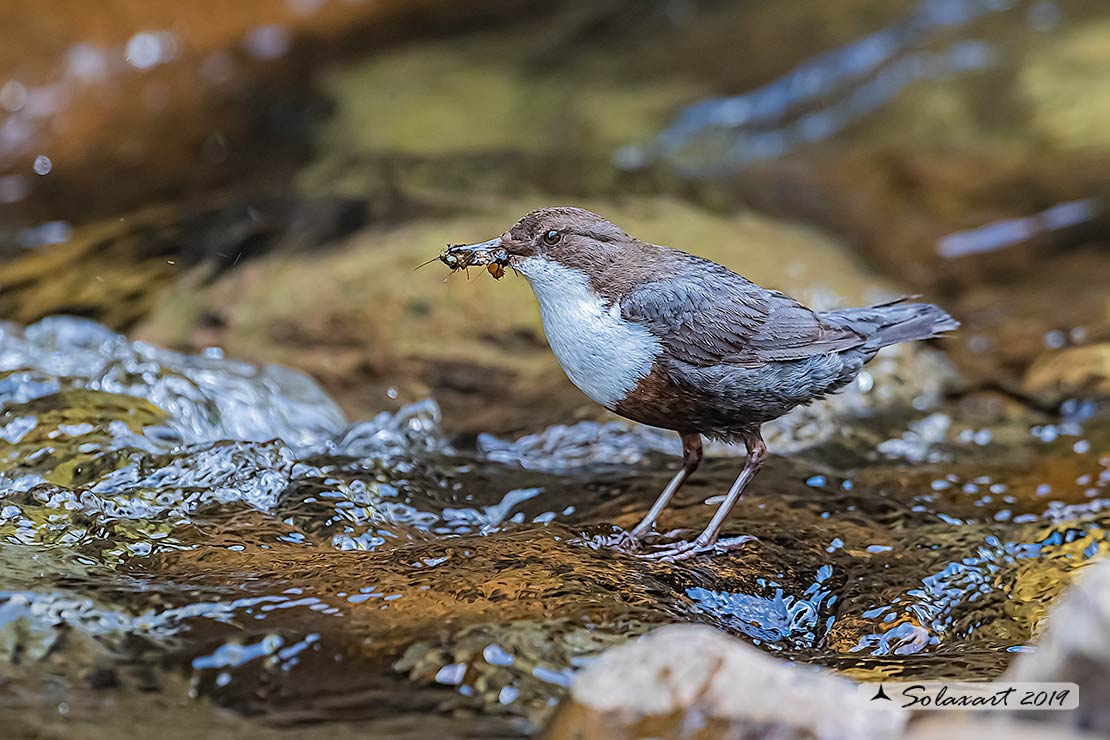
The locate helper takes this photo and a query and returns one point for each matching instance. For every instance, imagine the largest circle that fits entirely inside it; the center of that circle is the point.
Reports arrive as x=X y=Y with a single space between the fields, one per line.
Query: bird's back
x=738 y=355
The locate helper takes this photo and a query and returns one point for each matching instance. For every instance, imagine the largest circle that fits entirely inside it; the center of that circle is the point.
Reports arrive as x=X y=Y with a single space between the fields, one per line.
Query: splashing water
x=196 y=515
x=205 y=397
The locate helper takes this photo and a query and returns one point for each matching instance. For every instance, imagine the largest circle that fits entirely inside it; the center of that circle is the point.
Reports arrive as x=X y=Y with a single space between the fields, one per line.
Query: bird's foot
x=685 y=550
x=630 y=542
x=620 y=540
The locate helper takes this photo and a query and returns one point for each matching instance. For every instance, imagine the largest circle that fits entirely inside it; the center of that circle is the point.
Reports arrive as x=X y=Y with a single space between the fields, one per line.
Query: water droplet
x=268 y=42
x=13 y=188
x=451 y=674
x=150 y=48
x=13 y=96
x=1055 y=339
x=494 y=654
x=86 y=63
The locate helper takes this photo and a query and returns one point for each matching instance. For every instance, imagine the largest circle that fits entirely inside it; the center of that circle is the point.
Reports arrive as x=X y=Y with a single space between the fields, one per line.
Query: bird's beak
x=476 y=249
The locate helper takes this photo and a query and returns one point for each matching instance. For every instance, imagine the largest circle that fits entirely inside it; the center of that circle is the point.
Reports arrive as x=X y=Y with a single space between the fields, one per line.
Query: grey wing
x=711 y=316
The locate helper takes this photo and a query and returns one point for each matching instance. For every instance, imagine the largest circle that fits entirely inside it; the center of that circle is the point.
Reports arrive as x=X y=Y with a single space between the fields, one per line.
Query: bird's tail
x=894 y=322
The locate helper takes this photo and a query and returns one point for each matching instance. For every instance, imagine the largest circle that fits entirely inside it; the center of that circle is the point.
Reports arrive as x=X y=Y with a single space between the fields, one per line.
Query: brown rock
x=690 y=681
x=963 y=728
x=1076 y=371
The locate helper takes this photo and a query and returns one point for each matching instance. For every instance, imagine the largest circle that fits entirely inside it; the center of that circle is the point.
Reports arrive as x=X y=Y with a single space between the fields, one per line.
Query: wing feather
x=708 y=315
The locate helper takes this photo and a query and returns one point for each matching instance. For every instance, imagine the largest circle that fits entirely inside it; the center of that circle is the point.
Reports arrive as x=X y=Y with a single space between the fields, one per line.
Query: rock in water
x=1074 y=648
x=943 y=726
x=691 y=681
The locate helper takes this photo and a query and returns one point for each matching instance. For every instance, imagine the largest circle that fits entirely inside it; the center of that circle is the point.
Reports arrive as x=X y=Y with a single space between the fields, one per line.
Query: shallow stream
x=396 y=538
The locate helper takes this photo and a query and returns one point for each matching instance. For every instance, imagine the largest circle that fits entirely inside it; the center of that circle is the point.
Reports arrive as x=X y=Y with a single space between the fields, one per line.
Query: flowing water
x=169 y=515
x=398 y=539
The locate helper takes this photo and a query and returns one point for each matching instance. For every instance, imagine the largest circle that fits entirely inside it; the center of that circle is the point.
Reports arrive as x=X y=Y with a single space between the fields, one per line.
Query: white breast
x=601 y=353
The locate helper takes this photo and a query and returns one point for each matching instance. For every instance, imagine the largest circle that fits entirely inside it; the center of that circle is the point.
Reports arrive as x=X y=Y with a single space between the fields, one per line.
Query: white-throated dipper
x=677 y=341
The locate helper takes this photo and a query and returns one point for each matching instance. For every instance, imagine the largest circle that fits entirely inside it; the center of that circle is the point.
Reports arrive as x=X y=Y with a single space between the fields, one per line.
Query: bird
x=676 y=341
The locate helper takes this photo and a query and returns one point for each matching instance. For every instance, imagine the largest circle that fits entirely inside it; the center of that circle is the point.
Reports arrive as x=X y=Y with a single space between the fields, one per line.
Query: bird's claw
x=692 y=548
x=631 y=542
x=619 y=540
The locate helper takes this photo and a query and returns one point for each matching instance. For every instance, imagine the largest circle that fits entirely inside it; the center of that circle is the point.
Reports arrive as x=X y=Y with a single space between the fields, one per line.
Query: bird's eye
x=552 y=238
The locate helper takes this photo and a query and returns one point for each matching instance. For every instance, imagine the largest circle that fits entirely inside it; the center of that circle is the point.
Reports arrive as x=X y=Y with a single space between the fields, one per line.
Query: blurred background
x=263 y=176
x=215 y=166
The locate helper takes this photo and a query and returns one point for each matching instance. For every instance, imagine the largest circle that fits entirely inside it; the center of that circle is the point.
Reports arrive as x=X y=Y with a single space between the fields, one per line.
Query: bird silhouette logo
x=881 y=694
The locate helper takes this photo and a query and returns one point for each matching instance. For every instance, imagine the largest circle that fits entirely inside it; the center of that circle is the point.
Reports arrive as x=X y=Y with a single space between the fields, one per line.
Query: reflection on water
x=1011 y=231
x=778 y=621
x=188 y=513
x=826 y=94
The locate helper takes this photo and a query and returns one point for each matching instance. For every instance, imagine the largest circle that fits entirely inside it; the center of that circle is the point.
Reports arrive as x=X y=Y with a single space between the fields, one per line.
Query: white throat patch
x=601 y=353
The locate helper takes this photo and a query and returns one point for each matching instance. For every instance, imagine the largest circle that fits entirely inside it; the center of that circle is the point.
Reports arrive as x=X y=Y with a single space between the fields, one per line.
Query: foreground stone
x=690 y=681
x=1074 y=648
x=964 y=728
x=693 y=682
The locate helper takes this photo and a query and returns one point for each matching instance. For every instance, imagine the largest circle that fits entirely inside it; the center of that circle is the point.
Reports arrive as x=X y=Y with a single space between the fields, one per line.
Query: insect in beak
x=489 y=254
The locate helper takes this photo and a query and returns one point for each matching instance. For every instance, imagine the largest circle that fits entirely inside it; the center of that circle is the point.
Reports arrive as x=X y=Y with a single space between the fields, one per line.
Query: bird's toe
x=685 y=550
x=620 y=540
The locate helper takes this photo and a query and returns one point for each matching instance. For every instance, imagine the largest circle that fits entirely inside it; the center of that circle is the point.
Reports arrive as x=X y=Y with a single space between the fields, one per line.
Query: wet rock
x=1061 y=82
x=514 y=666
x=157 y=109
x=694 y=682
x=963 y=728
x=1073 y=648
x=1073 y=372
x=115 y=271
x=1013 y=324
x=487 y=113
x=55 y=711
x=469 y=623
x=826 y=94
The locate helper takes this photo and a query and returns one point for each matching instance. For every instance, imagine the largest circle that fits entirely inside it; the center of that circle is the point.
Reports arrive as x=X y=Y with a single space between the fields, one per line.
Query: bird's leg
x=707 y=540
x=691 y=458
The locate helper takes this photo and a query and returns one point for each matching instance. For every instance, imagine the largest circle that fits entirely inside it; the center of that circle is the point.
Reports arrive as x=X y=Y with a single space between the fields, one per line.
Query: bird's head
x=568 y=237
